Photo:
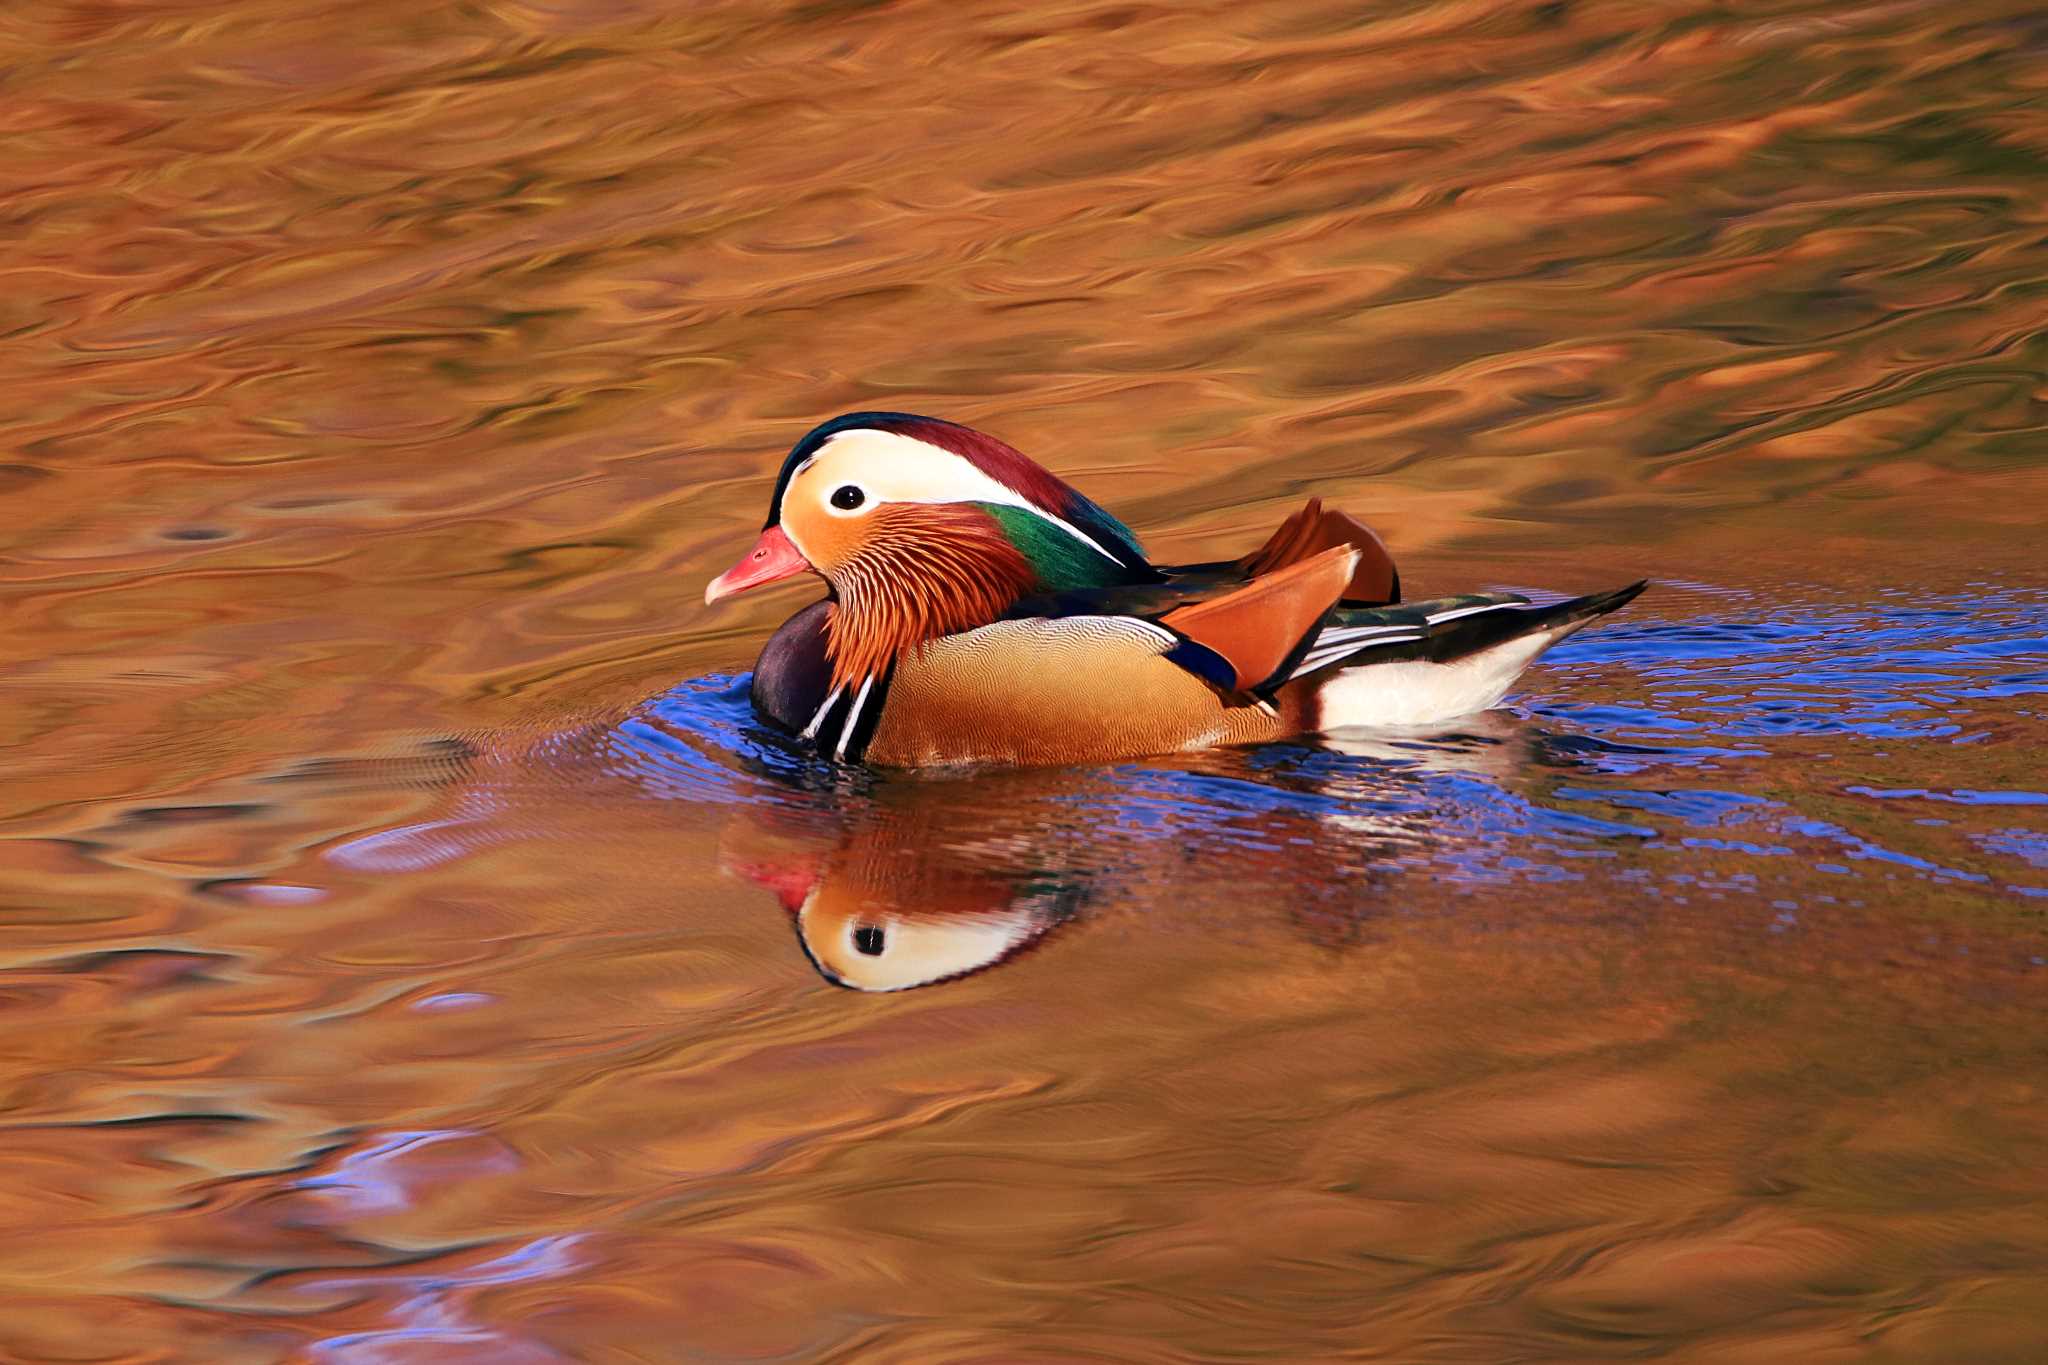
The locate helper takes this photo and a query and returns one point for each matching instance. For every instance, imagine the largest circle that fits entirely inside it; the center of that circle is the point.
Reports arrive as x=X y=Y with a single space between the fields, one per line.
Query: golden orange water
x=410 y=952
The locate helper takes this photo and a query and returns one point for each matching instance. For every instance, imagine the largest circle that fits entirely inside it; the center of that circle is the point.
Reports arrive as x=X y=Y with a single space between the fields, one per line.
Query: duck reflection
x=919 y=880
x=915 y=890
x=898 y=881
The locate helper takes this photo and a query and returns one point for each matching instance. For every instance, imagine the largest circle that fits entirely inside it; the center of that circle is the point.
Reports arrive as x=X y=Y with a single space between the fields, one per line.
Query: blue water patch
x=2029 y=846
x=1961 y=796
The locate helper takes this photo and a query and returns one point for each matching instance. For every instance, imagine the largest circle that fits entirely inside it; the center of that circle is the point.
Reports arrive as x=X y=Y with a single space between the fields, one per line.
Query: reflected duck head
x=893 y=903
x=865 y=946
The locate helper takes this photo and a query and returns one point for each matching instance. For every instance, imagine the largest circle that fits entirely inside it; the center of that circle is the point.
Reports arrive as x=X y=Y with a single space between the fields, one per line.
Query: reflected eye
x=868 y=938
x=846 y=497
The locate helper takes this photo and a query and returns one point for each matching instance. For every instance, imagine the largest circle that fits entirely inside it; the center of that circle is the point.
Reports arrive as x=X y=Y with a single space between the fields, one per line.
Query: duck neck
x=913 y=584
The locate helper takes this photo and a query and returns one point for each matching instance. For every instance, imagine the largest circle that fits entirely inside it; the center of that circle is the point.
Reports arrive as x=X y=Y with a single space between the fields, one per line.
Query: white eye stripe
x=889 y=467
x=1071 y=529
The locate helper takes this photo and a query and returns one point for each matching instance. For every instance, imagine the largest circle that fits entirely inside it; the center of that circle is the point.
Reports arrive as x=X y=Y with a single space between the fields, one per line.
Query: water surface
x=410 y=950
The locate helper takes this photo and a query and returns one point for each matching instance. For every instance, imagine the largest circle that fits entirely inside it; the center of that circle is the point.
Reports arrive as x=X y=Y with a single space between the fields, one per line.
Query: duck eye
x=869 y=939
x=846 y=497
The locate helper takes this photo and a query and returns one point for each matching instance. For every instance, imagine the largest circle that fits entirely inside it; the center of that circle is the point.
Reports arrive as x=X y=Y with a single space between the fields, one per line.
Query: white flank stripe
x=1316 y=661
x=811 y=730
x=1331 y=646
x=1349 y=633
x=1438 y=618
x=860 y=699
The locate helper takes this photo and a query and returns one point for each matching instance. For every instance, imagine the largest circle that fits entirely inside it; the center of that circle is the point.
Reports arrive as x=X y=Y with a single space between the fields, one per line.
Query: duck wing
x=1240 y=635
x=1313 y=530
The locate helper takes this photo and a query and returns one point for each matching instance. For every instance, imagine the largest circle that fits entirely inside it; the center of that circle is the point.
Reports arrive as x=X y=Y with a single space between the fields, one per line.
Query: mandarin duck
x=980 y=610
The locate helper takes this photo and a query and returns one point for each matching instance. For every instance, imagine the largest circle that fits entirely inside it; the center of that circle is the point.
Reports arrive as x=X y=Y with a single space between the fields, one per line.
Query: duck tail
x=1463 y=659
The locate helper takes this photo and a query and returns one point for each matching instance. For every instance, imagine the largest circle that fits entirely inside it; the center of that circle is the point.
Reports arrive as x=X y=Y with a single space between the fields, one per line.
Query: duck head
x=922 y=528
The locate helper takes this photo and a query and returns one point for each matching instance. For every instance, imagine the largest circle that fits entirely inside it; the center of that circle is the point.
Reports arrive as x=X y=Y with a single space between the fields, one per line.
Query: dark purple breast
x=792 y=675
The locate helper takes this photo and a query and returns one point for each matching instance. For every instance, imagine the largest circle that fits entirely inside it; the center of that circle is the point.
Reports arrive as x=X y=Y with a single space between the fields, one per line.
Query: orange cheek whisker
x=923 y=573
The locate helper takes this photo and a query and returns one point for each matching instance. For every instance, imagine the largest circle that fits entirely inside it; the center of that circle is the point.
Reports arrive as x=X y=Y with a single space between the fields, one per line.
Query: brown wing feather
x=1313 y=530
x=1258 y=626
